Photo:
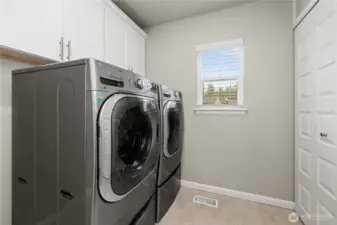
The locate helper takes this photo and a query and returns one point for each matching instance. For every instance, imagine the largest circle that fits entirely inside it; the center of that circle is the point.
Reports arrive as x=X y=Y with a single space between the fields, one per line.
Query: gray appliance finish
x=86 y=145
x=172 y=131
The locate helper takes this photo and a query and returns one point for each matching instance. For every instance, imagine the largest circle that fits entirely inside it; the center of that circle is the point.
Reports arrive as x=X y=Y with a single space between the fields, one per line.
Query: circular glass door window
x=134 y=142
x=175 y=127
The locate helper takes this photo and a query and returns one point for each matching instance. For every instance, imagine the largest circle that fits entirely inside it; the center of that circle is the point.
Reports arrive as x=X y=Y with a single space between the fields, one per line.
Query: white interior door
x=316 y=115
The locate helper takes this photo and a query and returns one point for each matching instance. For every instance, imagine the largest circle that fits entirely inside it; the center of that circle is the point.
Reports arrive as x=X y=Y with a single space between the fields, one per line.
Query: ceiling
x=147 y=13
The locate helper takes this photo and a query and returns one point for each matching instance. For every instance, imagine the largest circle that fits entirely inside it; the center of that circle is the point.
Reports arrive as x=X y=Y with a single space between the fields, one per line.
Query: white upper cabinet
x=115 y=39
x=135 y=51
x=33 y=26
x=124 y=40
x=84 y=29
x=72 y=29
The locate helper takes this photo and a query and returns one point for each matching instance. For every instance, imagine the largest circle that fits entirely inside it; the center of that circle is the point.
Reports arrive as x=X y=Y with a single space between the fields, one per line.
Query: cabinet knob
x=140 y=83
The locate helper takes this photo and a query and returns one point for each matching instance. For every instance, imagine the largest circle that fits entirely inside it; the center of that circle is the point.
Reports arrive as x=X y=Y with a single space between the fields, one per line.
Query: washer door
x=128 y=147
x=173 y=127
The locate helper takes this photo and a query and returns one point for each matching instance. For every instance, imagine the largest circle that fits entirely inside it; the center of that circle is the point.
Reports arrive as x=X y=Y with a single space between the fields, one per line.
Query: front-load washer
x=172 y=132
x=86 y=145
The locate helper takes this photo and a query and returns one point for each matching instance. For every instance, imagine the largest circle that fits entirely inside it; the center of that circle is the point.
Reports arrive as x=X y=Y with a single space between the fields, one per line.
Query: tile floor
x=230 y=211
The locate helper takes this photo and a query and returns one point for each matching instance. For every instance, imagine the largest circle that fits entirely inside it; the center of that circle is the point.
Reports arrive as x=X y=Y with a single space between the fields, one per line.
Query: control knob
x=140 y=83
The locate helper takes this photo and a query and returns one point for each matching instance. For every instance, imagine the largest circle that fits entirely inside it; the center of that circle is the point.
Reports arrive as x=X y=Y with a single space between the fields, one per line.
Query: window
x=220 y=76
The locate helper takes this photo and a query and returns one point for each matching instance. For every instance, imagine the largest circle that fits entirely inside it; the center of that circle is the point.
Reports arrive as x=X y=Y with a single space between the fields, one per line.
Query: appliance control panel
x=169 y=93
x=144 y=84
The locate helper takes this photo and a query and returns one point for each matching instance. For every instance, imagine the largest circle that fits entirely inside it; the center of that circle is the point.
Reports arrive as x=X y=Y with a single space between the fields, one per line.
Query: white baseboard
x=241 y=195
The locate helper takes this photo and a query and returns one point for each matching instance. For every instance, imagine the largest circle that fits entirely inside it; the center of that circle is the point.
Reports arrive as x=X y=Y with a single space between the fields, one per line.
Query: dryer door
x=173 y=127
x=129 y=144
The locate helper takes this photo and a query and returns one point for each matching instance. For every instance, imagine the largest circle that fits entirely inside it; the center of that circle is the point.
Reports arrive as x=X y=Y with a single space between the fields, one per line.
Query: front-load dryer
x=85 y=145
x=172 y=132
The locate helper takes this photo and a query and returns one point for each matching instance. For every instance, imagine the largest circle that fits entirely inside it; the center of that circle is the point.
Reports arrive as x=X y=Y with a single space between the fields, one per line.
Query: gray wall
x=300 y=5
x=5 y=138
x=254 y=152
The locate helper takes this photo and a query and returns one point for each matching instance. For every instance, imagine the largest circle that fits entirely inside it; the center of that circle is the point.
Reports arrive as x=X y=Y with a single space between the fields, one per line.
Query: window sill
x=211 y=110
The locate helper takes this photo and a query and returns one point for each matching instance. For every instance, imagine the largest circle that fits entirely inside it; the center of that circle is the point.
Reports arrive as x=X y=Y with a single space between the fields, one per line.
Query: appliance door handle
x=324 y=134
x=69 y=50
x=158 y=135
x=66 y=195
x=22 y=180
x=166 y=131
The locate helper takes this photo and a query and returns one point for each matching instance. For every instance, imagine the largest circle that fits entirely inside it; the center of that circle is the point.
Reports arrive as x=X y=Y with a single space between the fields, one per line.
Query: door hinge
x=69 y=50
x=61 y=43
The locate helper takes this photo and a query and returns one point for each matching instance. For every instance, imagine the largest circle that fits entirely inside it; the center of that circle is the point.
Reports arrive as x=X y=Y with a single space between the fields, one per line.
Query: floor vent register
x=205 y=201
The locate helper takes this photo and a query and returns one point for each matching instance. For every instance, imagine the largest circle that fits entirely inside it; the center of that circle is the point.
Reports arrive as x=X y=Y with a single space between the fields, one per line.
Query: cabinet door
x=135 y=52
x=115 y=39
x=84 y=24
x=33 y=26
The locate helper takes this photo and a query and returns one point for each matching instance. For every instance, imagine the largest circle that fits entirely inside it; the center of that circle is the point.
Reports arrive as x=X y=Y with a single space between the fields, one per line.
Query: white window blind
x=221 y=64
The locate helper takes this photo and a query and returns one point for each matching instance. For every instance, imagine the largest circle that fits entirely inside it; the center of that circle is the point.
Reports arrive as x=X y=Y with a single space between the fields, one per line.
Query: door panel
x=23 y=162
x=316 y=115
x=84 y=27
x=305 y=199
x=115 y=39
x=71 y=129
x=46 y=151
x=135 y=51
x=305 y=158
x=327 y=216
x=33 y=26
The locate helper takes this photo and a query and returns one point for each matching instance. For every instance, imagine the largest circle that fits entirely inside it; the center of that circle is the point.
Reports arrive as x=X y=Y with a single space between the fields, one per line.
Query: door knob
x=323 y=135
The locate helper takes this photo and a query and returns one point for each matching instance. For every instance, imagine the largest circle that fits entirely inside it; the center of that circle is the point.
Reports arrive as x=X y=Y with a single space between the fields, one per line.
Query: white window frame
x=222 y=109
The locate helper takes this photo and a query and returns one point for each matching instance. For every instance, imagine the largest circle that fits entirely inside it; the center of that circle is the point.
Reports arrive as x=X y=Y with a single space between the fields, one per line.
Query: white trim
x=219 y=45
x=240 y=96
x=305 y=11
x=233 y=77
x=123 y=16
x=241 y=195
x=220 y=110
x=200 y=84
